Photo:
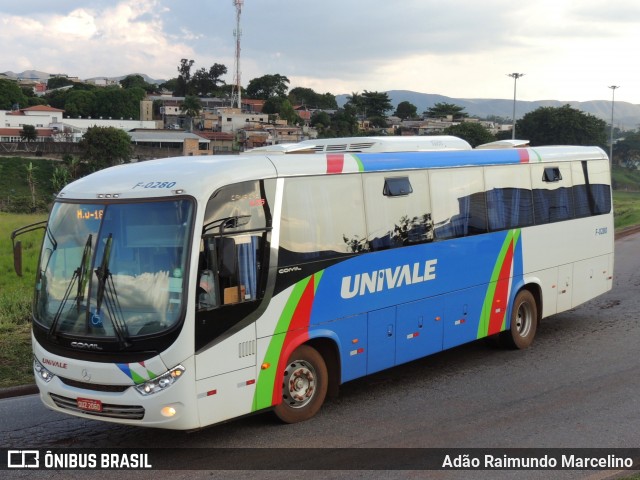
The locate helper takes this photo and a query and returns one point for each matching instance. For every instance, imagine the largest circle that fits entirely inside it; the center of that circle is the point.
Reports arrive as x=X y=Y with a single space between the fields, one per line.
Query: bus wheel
x=304 y=385
x=524 y=321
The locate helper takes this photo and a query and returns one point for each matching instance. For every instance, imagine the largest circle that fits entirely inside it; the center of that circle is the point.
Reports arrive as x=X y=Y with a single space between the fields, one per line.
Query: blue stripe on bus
x=388 y=161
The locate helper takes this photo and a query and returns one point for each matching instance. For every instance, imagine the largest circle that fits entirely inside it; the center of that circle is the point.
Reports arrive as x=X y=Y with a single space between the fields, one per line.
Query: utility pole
x=515 y=77
x=613 y=96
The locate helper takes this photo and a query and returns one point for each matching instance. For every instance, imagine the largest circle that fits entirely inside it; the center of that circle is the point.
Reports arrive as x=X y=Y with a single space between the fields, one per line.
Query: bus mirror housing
x=17 y=245
x=17 y=257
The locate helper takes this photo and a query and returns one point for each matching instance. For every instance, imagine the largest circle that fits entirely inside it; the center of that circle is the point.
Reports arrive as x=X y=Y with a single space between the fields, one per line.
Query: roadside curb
x=625 y=232
x=18 y=391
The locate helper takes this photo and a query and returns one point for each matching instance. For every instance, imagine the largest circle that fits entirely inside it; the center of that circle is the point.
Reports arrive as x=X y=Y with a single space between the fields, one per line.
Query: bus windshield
x=113 y=271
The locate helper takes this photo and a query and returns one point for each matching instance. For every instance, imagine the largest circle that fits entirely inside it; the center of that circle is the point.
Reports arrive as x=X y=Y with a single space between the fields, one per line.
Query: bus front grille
x=94 y=386
x=128 y=412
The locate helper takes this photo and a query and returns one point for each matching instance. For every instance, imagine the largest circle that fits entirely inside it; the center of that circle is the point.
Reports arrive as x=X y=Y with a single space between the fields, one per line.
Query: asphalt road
x=577 y=386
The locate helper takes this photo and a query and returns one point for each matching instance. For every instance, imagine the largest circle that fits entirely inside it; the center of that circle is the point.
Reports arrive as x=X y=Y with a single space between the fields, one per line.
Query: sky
x=569 y=50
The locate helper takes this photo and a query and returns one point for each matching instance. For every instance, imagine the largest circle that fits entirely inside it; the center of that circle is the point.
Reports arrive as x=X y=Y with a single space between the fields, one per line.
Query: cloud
x=104 y=40
x=569 y=50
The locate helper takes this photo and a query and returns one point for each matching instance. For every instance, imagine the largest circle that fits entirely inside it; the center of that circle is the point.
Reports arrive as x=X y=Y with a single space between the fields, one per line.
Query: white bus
x=183 y=292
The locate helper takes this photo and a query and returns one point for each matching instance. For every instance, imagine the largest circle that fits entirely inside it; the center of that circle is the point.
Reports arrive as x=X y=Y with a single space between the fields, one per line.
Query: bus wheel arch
x=524 y=319
x=304 y=385
x=331 y=355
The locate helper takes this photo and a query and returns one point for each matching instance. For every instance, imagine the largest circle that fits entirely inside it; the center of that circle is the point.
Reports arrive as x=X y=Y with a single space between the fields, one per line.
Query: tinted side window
x=458 y=199
x=245 y=206
x=397 y=220
x=509 y=198
x=322 y=218
x=552 y=194
x=591 y=191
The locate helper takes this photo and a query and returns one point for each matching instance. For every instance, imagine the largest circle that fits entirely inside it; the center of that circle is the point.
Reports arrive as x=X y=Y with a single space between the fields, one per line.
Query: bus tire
x=524 y=321
x=304 y=385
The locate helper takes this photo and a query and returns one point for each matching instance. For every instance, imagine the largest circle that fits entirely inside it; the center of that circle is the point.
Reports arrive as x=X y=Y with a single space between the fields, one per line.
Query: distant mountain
x=627 y=115
x=28 y=75
x=43 y=76
x=147 y=78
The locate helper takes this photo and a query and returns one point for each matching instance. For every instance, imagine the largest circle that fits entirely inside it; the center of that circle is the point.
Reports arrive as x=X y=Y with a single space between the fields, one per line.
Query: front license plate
x=89 y=404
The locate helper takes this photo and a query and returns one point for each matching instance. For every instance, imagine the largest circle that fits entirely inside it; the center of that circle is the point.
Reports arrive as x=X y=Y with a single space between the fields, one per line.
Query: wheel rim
x=299 y=383
x=524 y=320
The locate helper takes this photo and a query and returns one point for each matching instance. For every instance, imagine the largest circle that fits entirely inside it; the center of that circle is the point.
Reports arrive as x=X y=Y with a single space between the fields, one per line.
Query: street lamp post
x=515 y=77
x=613 y=96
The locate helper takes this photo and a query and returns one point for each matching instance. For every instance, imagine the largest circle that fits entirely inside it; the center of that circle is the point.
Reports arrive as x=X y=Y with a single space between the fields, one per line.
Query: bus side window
x=591 y=190
x=397 y=209
x=509 y=197
x=552 y=193
x=459 y=203
x=316 y=225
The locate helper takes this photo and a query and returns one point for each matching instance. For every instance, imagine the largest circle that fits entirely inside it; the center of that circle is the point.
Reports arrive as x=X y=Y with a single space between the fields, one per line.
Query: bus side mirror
x=17 y=257
x=17 y=246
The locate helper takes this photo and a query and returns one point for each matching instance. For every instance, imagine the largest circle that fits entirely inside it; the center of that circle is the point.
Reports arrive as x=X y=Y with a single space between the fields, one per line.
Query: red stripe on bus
x=524 y=155
x=499 y=304
x=335 y=162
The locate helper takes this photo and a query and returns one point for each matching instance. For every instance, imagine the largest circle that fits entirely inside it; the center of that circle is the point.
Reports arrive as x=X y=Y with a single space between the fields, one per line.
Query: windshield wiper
x=107 y=293
x=79 y=274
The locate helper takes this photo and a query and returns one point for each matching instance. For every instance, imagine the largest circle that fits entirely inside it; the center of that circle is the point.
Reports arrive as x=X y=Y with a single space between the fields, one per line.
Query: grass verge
x=15 y=300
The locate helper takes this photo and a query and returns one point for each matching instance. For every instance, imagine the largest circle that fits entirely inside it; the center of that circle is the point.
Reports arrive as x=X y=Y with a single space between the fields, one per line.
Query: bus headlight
x=162 y=382
x=41 y=372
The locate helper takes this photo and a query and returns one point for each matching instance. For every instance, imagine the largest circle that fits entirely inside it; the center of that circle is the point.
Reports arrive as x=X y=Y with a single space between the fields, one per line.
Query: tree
x=11 y=95
x=138 y=81
x=283 y=109
x=28 y=133
x=443 y=109
x=370 y=104
x=106 y=146
x=272 y=105
x=171 y=85
x=114 y=102
x=627 y=150
x=206 y=82
x=311 y=99
x=268 y=86
x=79 y=103
x=58 y=82
x=31 y=180
x=321 y=121
x=562 y=126
x=406 y=110
x=344 y=123
x=474 y=133
x=288 y=113
x=184 y=78
x=191 y=107
x=355 y=101
x=61 y=177
x=378 y=122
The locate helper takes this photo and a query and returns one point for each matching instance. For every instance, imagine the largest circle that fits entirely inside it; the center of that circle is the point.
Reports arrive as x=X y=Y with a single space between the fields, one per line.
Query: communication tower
x=236 y=90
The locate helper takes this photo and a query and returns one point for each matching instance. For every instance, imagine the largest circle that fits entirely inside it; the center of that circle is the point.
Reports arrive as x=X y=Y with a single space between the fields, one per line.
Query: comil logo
x=23 y=459
x=388 y=278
